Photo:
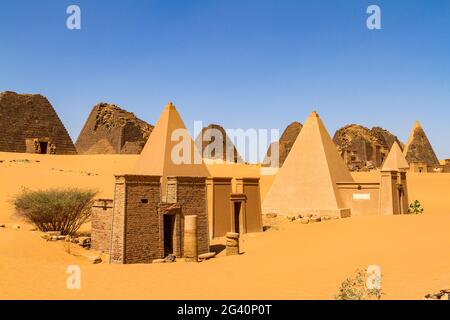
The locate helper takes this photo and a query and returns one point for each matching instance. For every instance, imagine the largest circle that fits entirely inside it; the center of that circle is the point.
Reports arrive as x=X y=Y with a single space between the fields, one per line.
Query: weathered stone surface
x=96 y=260
x=112 y=130
x=290 y=218
x=170 y=258
x=363 y=148
x=285 y=143
x=305 y=220
x=207 y=256
x=419 y=149
x=28 y=120
x=315 y=219
x=222 y=149
x=17 y=227
x=159 y=261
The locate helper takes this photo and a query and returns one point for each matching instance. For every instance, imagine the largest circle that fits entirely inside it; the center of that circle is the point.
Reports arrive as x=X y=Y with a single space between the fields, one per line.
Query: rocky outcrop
x=216 y=145
x=28 y=123
x=363 y=148
x=112 y=130
x=285 y=143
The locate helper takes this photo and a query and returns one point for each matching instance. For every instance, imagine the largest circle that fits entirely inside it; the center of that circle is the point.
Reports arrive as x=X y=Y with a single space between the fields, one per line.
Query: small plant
x=415 y=208
x=56 y=210
x=356 y=288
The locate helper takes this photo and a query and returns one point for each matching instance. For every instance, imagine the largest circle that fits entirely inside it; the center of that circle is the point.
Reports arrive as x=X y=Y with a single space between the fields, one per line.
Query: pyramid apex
x=170 y=106
x=395 y=160
x=417 y=125
x=314 y=114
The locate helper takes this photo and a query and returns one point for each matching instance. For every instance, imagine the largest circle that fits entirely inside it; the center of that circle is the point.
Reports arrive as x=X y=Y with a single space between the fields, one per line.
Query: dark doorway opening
x=237 y=215
x=43 y=146
x=169 y=228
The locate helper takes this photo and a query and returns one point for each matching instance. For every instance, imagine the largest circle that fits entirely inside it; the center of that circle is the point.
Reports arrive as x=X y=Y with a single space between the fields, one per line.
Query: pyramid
x=285 y=144
x=26 y=118
x=307 y=181
x=112 y=130
x=419 y=149
x=206 y=141
x=395 y=160
x=156 y=157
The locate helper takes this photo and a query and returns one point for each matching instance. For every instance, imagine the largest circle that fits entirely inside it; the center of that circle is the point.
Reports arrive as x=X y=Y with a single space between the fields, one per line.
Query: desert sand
x=289 y=261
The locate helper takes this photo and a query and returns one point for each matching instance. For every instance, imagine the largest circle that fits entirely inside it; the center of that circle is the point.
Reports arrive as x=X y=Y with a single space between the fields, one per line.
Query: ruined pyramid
x=162 y=154
x=419 y=149
x=215 y=144
x=112 y=130
x=395 y=160
x=307 y=181
x=285 y=143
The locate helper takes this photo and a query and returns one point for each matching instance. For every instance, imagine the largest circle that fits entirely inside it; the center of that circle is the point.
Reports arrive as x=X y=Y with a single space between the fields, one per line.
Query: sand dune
x=294 y=262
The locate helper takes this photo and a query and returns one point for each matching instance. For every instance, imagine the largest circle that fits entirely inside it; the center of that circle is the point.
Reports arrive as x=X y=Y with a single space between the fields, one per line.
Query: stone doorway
x=169 y=230
x=43 y=147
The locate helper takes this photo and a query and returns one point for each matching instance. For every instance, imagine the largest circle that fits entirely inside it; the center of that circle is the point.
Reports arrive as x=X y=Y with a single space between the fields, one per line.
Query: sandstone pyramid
x=307 y=180
x=161 y=156
x=112 y=130
x=363 y=148
x=419 y=149
x=28 y=123
x=285 y=143
x=395 y=161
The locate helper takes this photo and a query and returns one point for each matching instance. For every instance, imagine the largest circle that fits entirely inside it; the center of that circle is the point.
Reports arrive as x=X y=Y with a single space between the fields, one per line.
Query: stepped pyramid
x=26 y=119
x=208 y=143
x=419 y=149
x=156 y=157
x=307 y=181
x=395 y=160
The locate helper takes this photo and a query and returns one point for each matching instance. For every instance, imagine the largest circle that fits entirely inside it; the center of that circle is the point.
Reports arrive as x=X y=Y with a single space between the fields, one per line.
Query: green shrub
x=356 y=288
x=56 y=210
x=415 y=208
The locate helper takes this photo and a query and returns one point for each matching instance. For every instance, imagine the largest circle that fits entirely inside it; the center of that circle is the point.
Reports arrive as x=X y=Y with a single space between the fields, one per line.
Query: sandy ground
x=290 y=261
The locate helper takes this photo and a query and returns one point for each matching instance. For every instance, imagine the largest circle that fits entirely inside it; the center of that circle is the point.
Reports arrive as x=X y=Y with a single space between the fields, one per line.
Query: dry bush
x=56 y=210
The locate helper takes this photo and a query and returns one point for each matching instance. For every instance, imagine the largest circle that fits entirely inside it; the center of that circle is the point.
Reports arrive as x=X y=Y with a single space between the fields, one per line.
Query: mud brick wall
x=102 y=212
x=26 y=116
x=136 y=220
x=190 y=194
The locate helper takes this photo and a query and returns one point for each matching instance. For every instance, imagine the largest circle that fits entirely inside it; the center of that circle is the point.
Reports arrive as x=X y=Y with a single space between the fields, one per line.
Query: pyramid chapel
x=315 y=180
x=169 y=196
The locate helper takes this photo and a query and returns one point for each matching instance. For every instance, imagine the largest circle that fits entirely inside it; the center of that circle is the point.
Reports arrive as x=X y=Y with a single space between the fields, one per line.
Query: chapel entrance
x=169 y=229
x=43 y=147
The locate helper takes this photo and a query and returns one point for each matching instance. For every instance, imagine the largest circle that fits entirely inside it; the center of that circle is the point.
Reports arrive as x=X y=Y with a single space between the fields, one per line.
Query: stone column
x=232 y=243
x=190 y=238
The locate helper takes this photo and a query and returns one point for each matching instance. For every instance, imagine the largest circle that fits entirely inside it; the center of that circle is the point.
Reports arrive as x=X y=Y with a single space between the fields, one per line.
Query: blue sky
x=242 y=64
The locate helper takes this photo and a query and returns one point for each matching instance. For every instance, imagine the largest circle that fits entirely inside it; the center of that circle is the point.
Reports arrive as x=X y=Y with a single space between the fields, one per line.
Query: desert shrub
x=56 y=210
x=356 y=288
x=415 y=208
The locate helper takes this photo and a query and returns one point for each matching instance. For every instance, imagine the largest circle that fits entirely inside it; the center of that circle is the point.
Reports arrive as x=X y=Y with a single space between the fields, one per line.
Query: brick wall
x=24 y=116
x=102 y=212
x=191 y=196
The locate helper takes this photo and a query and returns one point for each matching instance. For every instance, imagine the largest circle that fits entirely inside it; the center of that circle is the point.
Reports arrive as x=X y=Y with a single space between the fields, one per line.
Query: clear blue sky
x=239 y=63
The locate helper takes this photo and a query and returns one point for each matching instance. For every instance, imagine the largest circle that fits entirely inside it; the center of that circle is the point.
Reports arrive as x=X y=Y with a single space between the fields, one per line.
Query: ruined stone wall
x=26 y=116
x=102 y=212
x=190 y=194
x=136 y=236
